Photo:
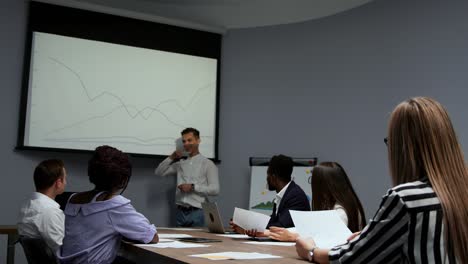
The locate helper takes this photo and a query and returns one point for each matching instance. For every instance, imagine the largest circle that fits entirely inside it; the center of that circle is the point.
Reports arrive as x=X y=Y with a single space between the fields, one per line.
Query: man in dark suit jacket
x=289 y=195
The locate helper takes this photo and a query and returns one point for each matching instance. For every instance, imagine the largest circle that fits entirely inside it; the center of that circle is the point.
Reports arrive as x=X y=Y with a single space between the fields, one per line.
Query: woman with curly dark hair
x=96 y=220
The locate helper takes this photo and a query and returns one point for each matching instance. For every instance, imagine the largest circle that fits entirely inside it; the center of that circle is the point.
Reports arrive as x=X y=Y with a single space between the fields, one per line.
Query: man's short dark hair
x=47 y=172
x=192 y=130
x=109 y=168
x=281 y=166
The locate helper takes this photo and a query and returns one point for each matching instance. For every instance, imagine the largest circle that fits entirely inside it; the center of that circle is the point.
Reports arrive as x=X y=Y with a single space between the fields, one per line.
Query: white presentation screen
x=85 y=93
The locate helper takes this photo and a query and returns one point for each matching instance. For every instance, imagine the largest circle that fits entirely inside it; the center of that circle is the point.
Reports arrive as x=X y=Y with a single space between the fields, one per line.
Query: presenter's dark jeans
x=189 y=216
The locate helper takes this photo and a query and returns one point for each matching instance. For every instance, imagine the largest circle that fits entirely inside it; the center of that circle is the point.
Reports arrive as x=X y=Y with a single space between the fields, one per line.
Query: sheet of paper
x=212 y=257
x=325 y=227
x=180 y=229
x=234 y=235
x=163 y=240
x=235 y=255
x=173 y=244
x=250 y=220
x=173 y=235
x=267 y=243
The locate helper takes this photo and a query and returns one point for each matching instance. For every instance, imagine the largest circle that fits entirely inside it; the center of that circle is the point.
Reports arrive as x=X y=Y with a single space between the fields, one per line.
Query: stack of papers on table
x=234 y=235
x=180 y=228
x=173 y=244
x=173 y=235
x=266 y=243
x=234 y=255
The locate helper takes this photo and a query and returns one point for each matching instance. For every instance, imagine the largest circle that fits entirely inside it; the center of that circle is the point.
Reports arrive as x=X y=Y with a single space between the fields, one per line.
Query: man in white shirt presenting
x=41 y=216
x=197 y=177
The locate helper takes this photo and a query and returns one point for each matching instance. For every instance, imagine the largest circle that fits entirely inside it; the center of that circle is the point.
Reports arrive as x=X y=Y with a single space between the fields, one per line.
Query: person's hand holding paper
x=249 y=220
x=325 y=227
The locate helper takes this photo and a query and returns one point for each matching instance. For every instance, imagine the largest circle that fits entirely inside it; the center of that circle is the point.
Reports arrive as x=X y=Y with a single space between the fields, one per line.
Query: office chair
x=37 y=251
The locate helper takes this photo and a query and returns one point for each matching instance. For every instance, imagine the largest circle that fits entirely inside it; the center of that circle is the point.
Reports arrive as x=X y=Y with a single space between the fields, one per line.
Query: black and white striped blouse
x=407 y=228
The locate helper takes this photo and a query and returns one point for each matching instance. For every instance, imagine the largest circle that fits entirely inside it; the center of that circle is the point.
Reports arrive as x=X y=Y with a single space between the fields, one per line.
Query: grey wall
x=322 y=88
x=326 y=88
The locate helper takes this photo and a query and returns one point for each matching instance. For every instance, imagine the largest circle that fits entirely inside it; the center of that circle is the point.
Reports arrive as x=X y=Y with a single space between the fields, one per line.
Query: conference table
x=141 y=254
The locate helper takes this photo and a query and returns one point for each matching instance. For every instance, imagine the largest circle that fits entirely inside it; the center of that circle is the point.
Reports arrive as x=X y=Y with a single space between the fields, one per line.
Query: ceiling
x=219 y=15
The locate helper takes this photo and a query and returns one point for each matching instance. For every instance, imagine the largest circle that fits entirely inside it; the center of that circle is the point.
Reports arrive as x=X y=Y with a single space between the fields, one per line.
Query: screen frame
x=73 y=22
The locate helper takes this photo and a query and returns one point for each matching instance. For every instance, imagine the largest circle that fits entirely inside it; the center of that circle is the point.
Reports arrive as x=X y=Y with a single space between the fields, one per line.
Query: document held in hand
x=249 y=220
x=325 y=227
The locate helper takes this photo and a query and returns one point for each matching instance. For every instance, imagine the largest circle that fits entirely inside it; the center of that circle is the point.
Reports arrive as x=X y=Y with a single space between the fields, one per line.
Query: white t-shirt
x=41 y=217
x=279 y=196
x=342 y=213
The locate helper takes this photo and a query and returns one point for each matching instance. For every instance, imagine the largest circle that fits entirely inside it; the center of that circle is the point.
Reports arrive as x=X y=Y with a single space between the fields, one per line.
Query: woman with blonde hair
x=423 y=218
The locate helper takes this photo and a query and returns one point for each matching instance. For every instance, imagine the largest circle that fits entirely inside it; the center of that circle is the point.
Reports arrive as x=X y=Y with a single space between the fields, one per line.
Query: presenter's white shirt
x=41 y=217
x=198 y=170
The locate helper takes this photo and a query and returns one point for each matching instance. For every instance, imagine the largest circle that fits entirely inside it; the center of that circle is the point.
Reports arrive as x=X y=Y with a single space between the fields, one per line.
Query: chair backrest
x=62 y=199
x=37 y=251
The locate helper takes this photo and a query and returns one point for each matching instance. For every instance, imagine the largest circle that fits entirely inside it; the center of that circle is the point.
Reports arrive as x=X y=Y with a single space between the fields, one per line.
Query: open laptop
x=213 y=218
x=215 y=224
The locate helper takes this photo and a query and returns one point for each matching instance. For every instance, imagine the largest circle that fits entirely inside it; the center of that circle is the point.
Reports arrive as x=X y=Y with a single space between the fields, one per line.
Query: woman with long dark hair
x=423 y=218
x=331 y=190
